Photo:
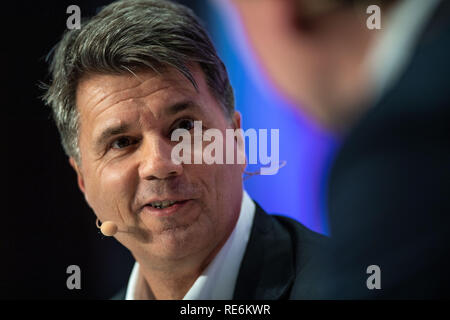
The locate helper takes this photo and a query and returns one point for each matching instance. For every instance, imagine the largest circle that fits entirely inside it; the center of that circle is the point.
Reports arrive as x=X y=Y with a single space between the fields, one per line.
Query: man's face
x=126 y=123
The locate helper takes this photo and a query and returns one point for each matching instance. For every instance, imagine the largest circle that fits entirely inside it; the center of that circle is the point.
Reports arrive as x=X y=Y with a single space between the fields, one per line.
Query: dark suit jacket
x=389 y=191
x=278 y=255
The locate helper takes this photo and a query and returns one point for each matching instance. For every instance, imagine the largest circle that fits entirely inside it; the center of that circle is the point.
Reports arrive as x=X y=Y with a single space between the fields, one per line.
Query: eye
x=122 y=142
x=187 y=124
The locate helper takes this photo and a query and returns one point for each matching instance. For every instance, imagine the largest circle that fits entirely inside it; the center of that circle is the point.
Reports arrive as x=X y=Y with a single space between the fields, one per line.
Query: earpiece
x=258 y=172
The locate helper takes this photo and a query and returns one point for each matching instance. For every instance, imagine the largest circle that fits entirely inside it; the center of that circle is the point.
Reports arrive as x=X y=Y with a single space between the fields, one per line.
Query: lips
x=162 y=204
x=164 y=207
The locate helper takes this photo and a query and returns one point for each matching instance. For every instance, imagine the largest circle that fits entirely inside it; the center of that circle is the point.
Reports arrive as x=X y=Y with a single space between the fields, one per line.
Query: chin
x=179 y=242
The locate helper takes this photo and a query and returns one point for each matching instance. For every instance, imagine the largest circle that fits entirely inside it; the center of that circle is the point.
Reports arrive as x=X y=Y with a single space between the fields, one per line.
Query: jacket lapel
x=267 y=269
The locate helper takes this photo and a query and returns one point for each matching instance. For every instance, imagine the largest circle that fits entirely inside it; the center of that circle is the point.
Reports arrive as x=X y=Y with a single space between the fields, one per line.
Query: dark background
x=46 y=223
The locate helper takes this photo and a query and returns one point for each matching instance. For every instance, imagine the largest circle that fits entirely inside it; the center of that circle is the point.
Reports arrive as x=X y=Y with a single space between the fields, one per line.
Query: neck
x=157 y=286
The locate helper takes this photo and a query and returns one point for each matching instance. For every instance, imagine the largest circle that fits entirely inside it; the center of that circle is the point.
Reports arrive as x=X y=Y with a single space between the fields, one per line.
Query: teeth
x=162 y=204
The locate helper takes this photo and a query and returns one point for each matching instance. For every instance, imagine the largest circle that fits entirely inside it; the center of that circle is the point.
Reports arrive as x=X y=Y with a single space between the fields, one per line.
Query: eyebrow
x=110 y=132
x=179 y=107
x=124 y=127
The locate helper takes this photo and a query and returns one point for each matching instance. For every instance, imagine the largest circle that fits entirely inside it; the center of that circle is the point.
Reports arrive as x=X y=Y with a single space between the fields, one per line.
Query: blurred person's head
x=314 y=51
x=120 y=86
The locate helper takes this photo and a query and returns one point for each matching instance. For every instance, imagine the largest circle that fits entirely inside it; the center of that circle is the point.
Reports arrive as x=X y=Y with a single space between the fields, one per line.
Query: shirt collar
x=218 y=280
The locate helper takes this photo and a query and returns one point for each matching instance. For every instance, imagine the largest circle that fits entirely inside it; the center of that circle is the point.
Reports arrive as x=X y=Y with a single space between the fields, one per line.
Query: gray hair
x=126 y=36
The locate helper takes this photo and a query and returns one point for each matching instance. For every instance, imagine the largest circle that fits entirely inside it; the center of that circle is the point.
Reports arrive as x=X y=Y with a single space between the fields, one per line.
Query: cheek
x=221 y=182
x=111 y=189
x=226 y=191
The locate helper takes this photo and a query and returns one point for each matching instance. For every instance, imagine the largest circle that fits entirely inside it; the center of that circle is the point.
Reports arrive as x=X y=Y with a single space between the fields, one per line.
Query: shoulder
x=291 y=249
x=302 y=235
x=306 y=243
x=304 y=240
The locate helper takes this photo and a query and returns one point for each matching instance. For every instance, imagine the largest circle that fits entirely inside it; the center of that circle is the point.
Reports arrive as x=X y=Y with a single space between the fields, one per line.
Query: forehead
x=98 y=92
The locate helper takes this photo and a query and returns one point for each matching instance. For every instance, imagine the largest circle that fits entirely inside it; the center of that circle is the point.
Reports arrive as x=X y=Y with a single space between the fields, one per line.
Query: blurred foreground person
x=386 y=92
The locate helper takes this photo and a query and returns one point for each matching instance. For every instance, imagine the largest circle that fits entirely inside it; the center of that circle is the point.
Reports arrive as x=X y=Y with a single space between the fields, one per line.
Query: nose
x=156 y=161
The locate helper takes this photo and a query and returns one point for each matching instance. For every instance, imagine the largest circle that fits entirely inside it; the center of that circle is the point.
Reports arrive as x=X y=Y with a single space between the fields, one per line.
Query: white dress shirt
x=218 y=280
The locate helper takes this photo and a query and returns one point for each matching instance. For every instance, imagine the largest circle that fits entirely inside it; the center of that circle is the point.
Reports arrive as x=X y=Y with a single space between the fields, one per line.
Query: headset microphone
x=108 y=228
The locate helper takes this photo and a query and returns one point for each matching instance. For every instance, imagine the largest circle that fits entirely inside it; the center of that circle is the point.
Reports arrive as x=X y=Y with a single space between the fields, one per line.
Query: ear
x=237 y=124
x=80 y=179
x=237 y=120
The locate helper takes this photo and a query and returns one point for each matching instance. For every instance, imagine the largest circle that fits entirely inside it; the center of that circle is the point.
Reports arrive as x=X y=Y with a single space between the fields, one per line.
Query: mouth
x=162 y=204
x=165 y=207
